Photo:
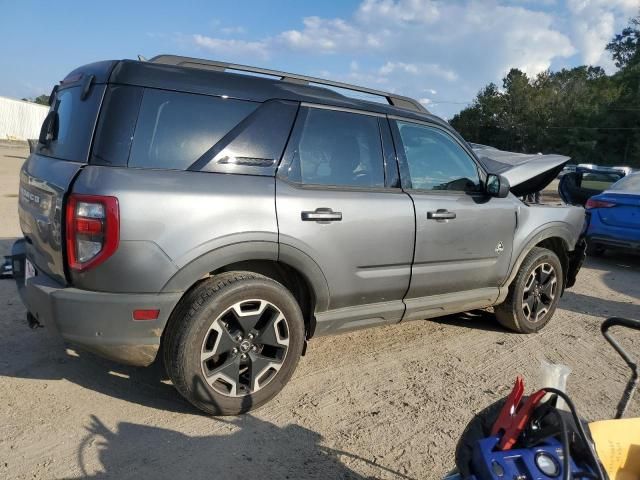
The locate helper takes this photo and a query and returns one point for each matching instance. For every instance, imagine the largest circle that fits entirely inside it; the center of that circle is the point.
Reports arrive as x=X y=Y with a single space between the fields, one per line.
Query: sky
x=438 y=51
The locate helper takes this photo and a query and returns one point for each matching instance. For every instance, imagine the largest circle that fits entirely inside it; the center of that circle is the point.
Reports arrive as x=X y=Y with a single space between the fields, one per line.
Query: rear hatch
x=49 y=171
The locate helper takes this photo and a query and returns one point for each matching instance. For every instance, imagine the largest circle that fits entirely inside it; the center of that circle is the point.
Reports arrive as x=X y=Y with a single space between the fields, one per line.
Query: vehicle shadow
x=474 y=319
x=246 y=447
x=614 y=262
x=600 y=307
x=5 y=246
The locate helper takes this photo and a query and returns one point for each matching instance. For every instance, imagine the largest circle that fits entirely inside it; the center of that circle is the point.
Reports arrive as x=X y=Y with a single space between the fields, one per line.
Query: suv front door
x=464 y=238
x=338 y=201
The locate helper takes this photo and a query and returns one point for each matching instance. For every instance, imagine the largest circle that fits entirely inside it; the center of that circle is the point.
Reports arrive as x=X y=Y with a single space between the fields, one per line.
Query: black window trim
x=294 y=136
x=405 y=178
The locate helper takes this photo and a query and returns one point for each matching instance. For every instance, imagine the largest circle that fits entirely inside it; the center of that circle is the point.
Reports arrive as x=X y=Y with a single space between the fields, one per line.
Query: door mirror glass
x=497 y=186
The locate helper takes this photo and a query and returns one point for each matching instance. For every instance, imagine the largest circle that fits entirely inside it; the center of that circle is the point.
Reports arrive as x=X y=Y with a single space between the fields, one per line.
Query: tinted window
x=255 y=145
x=630 y=184
x=598 y=180
x=336 y=148
x=74 y=123
x=116 y=125
x=176 y=129
x=436 y=161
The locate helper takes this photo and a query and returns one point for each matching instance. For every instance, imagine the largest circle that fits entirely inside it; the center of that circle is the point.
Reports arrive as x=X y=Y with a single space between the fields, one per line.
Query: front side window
x=336 y=149
x=599 y=180
x=436 y=161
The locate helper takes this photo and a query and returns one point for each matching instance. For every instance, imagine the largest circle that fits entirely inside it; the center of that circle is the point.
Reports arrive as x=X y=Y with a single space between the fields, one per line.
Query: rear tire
x=534 y=293
x=233 y=342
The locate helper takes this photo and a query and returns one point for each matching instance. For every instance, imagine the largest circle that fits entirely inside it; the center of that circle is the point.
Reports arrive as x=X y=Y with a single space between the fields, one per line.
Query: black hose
x=566 y=470
x=581 y=431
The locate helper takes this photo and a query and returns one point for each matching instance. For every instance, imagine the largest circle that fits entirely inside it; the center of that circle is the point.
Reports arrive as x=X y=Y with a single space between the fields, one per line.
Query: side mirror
x=497 y=186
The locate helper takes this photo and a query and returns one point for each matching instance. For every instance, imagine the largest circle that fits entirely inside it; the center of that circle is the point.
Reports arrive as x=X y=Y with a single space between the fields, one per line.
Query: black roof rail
x=393 y=99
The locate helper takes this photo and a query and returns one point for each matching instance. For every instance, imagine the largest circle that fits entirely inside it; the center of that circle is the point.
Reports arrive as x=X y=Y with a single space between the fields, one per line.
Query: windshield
x=629 y=184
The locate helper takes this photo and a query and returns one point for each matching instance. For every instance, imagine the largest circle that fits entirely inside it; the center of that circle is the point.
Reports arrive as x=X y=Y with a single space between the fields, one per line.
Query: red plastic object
x=146 y=314
x=514 y=417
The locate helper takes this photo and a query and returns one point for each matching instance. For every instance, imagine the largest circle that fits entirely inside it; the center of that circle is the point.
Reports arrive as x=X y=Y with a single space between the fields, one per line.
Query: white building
x=20 y=120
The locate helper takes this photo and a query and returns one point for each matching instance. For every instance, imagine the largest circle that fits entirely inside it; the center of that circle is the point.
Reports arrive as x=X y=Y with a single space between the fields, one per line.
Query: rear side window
x=75 y=119
x=175 y=129
x=335 y=148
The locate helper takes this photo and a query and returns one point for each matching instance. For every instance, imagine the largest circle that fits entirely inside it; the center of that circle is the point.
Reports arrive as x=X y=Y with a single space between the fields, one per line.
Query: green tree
x=580 y=112
x=40 y=99
x=625 y=46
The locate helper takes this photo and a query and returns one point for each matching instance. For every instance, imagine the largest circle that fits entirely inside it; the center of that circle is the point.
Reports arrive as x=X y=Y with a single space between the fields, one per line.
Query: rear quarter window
x=76 y=119
x=174 y=130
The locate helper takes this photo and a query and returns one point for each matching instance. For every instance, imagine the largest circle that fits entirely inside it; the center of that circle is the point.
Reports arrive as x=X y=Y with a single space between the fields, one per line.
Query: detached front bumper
x=99 y=322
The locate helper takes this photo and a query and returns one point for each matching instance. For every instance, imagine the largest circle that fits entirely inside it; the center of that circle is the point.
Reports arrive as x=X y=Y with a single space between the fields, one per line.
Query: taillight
x=591 y=203
x=93 y=230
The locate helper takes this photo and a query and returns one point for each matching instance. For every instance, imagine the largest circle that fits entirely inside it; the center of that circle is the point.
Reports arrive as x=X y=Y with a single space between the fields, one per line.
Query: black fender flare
x=215 y=259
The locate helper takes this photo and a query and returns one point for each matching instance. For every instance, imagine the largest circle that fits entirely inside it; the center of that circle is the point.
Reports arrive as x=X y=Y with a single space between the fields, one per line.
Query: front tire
x=534 y=293
x=233 y=342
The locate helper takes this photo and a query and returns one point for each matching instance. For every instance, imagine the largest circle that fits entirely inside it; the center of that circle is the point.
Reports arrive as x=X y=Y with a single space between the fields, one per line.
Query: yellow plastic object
x=618 y=446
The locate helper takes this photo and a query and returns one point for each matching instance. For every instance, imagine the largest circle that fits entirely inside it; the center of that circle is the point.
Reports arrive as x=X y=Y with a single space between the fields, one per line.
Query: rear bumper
x=99 y=322
x=612 y=236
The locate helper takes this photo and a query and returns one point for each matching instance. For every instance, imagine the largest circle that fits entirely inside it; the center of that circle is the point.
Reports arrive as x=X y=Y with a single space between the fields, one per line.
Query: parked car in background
x=615 y=216
x=575 y=188
x=230 y=218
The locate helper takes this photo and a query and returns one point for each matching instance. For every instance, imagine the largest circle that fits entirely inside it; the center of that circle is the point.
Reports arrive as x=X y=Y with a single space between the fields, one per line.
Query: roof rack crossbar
x=391 y=98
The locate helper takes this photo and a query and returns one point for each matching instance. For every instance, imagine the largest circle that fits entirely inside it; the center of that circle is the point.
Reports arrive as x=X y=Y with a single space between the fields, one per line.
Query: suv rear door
x=48 y=172
x=338 y=200
x=464 y=238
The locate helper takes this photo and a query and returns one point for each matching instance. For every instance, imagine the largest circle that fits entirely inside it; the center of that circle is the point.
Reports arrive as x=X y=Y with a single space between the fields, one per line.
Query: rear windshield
x=76 y=119
x=630 y=184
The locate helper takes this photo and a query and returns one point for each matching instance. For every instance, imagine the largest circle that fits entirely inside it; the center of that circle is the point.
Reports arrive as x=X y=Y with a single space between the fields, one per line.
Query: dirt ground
x=383 y=403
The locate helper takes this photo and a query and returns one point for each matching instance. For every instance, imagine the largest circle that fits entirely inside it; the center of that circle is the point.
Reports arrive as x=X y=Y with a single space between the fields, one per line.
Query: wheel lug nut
x=235 y=350
x=238 y=338
x=254 y=348
x=244 y=356
x=251 y=336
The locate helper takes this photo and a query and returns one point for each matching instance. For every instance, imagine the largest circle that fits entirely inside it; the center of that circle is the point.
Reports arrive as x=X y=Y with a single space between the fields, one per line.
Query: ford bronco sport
x=225 y=214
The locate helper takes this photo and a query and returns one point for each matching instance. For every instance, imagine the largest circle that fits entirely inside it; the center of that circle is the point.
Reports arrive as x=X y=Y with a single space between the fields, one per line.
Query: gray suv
x=223 y=215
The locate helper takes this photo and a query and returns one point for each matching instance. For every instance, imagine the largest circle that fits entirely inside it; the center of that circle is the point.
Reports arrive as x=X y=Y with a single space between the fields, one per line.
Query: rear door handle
x=441 y=214
x=321 y=215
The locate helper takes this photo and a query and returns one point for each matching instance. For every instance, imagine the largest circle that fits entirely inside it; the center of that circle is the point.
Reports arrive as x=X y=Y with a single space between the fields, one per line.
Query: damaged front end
x=527 y=174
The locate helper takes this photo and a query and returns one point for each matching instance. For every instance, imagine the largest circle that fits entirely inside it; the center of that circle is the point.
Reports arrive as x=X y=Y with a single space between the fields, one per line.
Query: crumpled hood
x=526 y=173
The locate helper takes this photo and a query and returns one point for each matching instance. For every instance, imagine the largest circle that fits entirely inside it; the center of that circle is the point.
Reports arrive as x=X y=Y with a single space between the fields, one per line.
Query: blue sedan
x=615 y=216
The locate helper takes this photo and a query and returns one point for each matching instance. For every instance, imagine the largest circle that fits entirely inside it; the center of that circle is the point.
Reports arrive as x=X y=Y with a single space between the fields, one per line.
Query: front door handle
x=441 y=214
x=321 y=215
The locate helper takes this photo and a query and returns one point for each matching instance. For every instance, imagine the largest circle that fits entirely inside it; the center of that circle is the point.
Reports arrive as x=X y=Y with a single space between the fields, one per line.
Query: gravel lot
x=383 y=403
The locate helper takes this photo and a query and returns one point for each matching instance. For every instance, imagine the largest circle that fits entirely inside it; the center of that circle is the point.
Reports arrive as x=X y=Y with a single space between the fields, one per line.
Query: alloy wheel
x=244 y=348
x=539 y=292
